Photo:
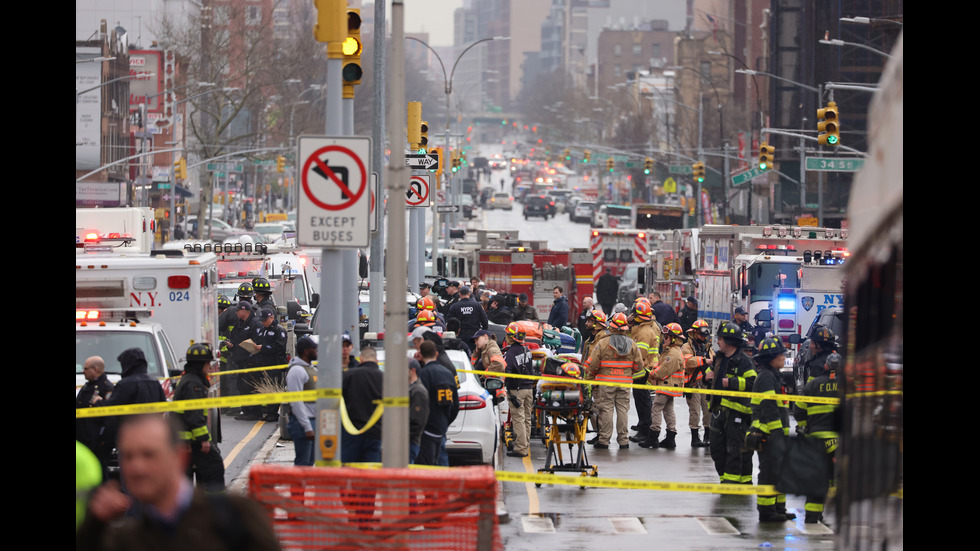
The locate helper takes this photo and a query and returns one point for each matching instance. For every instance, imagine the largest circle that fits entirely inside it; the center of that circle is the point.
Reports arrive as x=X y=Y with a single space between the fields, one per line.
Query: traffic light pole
x=377 y=282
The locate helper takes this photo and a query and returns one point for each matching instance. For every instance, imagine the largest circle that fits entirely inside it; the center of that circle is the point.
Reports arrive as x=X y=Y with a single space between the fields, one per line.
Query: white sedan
x=472 y=437
x=501 y=201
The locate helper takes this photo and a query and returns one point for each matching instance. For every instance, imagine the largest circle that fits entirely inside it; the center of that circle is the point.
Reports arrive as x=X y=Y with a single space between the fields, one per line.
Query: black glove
x=754 y=440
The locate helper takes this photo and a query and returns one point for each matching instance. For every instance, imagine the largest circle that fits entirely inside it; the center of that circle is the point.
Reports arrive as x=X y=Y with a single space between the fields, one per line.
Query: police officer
x=733 y=370
x=263 y=294
x=819 y=421
x=669 y=373
x=645 y=332
x=453 y=294
x=698 y=355
x=770 y=419
x=741 y=318
x=520 y=391
x=270 y=337
x=472 y=317
x=614 y=359
x=206 y=461
x=243 y=331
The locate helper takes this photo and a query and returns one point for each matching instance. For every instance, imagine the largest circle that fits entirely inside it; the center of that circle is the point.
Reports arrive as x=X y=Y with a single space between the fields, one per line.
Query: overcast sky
x=432 y=16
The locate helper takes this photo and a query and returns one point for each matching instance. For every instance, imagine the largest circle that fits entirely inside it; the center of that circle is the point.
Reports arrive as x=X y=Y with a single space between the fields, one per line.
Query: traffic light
x=329 y=25
x=697 y=171
x=280 y=164
x=352 y=50
x=610 y=164
x=567 y=155
x=423 y=136
x=414 y=123
x=648 y=165
x=828 y=125
x=586 y=156
x=180 y=169
x=766 y=160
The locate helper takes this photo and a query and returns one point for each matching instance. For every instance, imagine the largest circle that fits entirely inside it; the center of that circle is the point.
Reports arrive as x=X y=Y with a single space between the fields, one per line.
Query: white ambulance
x=178 y=288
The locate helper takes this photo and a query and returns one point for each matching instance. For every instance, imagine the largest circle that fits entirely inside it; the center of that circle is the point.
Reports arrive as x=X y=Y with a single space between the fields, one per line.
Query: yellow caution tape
x=204 y=403
x=619 y=483
x=349 y=425
x=731 y=393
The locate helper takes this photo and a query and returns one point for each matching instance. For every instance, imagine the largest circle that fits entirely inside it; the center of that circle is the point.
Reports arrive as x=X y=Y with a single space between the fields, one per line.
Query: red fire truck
x=537 y=272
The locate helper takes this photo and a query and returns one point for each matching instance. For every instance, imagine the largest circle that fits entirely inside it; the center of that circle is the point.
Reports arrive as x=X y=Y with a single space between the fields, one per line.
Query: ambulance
x=125 y=229
x=745 y=265
x=178 y=288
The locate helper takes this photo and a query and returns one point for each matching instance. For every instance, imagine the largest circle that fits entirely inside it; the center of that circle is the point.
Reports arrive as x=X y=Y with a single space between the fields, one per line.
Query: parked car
x=473 y=435
x=467 y=202
x=584 y=211
x=539 y=205
x=220 y=230
x=560 y=197
x=501 y=200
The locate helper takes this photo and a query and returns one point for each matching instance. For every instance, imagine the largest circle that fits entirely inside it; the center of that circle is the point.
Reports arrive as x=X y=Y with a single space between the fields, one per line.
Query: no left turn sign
x=335 y=203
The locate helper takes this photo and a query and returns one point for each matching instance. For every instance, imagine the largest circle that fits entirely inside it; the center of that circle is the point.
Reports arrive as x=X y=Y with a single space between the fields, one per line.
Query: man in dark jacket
x=97 y=389
x=443 y=405
x=135 y=387
x=607 y=291
x=558 y=317
x=270 y=337
x=661 y=310
x=362 y=386
x=206 y=460
x=471 y=316
x=498 y=312
x=523 y=310
x=242 y=331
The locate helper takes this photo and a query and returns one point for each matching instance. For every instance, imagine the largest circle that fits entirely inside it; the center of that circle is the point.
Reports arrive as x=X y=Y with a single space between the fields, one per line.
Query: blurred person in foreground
x=162 y=510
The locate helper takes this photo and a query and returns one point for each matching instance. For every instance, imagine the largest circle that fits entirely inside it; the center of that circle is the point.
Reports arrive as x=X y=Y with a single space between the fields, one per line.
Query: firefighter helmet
x=425 y=303
x=245 y=290
x=833 y=362
x=731 y=331
x=619 y=322
x=261 y=285
x=598 y=317
x=515 y=332
x=572 y=369
x=824 y=336
x=426 y=318
x=223 y=302
x=700 y=326
x=674 y=330
x=769 y=348
x=200 y=352
x=642 y=310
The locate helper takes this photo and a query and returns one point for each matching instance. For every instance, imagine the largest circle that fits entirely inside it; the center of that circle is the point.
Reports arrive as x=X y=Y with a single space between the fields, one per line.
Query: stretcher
x=563 y=408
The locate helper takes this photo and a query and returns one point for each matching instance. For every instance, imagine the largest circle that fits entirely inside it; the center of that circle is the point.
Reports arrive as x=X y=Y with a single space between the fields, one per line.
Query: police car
x=107 y=333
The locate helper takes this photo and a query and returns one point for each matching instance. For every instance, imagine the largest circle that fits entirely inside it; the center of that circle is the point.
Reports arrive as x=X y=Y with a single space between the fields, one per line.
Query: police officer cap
x=265 y=314
x=424 y=285
x=740 y=310
x=245 y=305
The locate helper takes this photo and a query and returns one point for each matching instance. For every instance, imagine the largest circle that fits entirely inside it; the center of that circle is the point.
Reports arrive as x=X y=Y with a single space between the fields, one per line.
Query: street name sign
x=749 y=174
x=334 y=207
x=834 y=164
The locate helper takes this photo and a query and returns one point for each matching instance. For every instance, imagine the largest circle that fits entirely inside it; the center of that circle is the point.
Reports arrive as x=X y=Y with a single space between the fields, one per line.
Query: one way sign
x=429 y=161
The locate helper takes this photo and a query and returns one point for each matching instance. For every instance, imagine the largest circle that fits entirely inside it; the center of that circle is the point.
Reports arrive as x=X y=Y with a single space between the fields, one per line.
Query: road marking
x=532 y=493
x=627 y=525
x=248 y=438
x=717 y=525
x=537 y=525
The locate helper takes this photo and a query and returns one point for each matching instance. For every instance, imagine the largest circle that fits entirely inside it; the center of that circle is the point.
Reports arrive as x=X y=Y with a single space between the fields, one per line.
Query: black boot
x=768 y=513
x=641 y=434
x=668 y=442
x=707 y=434
x=695 y=439
x=652 y=440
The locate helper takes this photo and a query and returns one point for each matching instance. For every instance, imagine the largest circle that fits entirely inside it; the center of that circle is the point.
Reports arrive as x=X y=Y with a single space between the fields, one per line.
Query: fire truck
x=536 y=272
x=178 y=289
x=647 y=216
x=671 y=267
x=748 y=265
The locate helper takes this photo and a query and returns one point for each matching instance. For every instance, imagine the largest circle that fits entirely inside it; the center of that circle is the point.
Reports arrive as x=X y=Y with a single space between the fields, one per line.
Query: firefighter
x=205 y=460
x=733 y=370
x=614 y=359
x=245 y=292
x=520 y=391
x=770 y=419
x=263 y=294
x=669 y=373
x=645 y=332
x=823 y=343
x=597 y=323
x=819 y=421
x=697 y=357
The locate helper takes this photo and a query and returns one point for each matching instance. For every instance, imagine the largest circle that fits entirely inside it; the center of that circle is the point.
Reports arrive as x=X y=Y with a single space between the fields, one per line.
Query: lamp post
x=448 y=81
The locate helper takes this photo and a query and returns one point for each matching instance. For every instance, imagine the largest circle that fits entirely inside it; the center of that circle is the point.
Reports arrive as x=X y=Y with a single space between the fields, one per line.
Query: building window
x=253 y=15
x=656 y=50
x=637 y=49
x=618 y=50
x=618 y=71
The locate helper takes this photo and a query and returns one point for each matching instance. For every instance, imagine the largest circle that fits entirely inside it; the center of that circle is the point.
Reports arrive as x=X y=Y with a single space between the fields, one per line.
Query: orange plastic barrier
x=351 y=508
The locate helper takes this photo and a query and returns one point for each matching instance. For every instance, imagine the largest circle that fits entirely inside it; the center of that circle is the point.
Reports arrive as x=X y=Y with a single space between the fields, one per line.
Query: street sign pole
x=394 y=437
x=349 y=300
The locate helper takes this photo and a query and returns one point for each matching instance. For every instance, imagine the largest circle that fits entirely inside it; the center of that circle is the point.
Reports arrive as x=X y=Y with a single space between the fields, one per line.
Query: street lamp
x=838 y=42
x=448 y=80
